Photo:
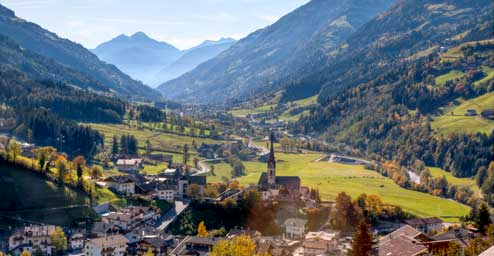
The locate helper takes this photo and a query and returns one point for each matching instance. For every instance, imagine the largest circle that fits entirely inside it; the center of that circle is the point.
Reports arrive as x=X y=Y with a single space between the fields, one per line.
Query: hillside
x=138 y=55
x=38 y=67
x=38 y=40
x=383 y=104
x=27 y=196
x=261 y=61
x=192 y=58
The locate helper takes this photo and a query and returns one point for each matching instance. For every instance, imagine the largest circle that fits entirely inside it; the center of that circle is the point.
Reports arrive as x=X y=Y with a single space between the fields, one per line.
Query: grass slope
x=458 y=123
x=470 y=182
x=452 y=75
x=29 y=197
x=333 y=178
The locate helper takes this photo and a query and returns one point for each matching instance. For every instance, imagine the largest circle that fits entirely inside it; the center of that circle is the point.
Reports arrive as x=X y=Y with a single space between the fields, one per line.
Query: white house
x=31 y=238
x=294 y=227
x=166 y=192
x=76 y=241
x=115 y=245
x=131 y=217
x=130 y=165
x=123 y=184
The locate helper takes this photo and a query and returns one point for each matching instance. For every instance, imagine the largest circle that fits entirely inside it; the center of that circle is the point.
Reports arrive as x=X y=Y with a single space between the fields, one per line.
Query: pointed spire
x=271 y=160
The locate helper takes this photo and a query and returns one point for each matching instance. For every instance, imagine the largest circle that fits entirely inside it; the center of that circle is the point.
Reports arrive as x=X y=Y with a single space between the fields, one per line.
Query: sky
x=182 y=23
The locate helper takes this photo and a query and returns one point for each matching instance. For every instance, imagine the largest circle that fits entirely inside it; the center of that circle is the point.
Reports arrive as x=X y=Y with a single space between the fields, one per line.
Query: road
x=204 y=168
x=167 y=218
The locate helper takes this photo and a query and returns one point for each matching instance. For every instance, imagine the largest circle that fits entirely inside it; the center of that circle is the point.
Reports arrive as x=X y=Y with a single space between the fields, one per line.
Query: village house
x=294 y=227
x=102 y=229
x=131 y=217
x=76 y=241
x=156 y=244
x=122 y=184
x=426 y=225
x=313 y=248
x=115 y=245
x=487 y=114
x=31 y=239
x=471 y=112
x=130 y=165
x=194 y=245
x=254 y=234
x=404 y=241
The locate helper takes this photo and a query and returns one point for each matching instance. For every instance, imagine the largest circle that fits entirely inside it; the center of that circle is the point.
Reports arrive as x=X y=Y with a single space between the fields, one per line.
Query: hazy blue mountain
x=33 y=37
x=138 y=55
x=262 y=61
x=192 y=57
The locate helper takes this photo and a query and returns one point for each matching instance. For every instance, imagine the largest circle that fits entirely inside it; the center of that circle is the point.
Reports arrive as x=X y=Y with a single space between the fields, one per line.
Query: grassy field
x=29 y=197
x=452 y=75
x=252 y=111
x=438 y=172
x=159 y=140
x=458 y=123
x=333 y=178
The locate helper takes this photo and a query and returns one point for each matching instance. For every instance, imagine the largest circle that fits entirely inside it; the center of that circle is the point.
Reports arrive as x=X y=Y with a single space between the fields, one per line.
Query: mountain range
x=70 y=55
x=155 y=62
x=264 y=61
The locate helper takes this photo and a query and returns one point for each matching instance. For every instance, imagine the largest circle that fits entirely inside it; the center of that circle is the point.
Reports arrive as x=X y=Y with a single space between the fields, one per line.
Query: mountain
x=387 y=92
x=260 y=62
x=138 y=55
x=192 y=58
x=72 y=55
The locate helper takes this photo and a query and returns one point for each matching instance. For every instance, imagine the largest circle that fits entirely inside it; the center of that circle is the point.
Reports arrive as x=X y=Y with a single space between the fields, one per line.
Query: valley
x=355 y=127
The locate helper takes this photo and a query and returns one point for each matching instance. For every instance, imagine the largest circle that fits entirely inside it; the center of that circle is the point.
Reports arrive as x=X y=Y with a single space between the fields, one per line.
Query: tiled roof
x=405 y=230
x=121 y=179
x=290 y=182
x=401 y=245
x=108 y=241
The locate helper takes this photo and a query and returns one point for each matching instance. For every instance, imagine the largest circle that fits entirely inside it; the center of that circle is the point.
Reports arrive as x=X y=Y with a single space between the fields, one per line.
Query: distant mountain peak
x=6 y=11
x=141 y=36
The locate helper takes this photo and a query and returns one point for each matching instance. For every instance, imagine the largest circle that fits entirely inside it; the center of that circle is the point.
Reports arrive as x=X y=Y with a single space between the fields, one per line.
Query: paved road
x=167 y=218
x=203 y=167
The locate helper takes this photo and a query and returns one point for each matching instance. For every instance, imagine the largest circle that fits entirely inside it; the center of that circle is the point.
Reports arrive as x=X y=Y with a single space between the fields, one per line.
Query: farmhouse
x=130 y=165
x=123 y=184
x=405 y=241
x=487 y=114
x=115 y=245
x=130 y=217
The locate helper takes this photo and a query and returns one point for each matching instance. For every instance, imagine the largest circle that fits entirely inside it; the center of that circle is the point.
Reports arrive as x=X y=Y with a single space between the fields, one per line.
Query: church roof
x=289 y=182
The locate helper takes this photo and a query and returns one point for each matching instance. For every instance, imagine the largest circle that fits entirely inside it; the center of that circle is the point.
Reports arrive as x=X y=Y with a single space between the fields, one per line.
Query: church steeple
x=271 y=162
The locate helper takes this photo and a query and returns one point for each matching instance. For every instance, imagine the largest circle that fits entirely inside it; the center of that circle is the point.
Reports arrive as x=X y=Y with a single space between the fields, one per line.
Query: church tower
x=271 y=163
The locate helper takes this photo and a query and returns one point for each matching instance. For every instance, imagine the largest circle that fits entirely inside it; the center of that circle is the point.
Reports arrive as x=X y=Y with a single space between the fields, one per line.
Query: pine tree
x=362 y=241
x=114 y=149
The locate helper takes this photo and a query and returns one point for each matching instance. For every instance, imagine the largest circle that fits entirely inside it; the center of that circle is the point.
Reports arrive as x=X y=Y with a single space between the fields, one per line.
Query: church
x=269 y=181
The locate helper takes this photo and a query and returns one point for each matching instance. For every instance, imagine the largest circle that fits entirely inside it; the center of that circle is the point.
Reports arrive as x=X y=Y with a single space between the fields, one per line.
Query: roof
x=121 y=179
x=200 y=240
x=295 y=222
x=155 y=241
x=133 y=161
x=243 y=232
x=423 y=221
x=458 y=233
x=321 y=235
x=199 y=180
x=400 y=246
x=488 y=252
x=406 y=230
x=101 y=227
x=34 y=231
x=108 y=241
x=289 y=182
x=319 y=245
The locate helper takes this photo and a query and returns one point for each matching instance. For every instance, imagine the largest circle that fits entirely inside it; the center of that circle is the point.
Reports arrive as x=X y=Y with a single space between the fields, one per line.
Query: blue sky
x=183 y=23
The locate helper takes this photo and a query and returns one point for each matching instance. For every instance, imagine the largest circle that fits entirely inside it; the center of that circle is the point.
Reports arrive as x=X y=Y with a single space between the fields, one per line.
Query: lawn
x=458 y=123
x=452 y=75
x=470 y=182
x=333 y=178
